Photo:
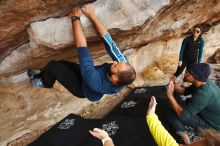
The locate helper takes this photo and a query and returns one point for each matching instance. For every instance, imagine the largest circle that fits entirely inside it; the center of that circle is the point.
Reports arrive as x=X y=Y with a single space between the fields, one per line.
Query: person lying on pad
x=162 y=137
x=103 y=136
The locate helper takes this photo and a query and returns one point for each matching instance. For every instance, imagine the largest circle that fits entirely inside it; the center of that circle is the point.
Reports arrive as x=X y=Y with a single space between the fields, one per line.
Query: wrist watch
x=106 y=139
x=74 y=18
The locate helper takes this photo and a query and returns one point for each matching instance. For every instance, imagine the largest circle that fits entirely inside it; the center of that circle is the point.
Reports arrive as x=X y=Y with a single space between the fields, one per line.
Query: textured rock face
x=216 y=73
x=150 y=21
x=53 y=33
x=215 y=61
x=18 y=14
x=215 y=58
x=150 y=33
x=124 y=15
x=212 y=42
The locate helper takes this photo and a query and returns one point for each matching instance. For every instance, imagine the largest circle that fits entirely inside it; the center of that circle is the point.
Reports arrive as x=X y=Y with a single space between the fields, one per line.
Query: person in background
x=85 y=80
x=103 y=136
x=202 y=109
x=162 y=137
x=191 y=50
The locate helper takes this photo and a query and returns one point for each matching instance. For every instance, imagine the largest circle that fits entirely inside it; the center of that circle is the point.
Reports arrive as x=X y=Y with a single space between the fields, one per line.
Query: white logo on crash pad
x=111 y=128
x=141 y=90
x=66 y=124
x=128 y=104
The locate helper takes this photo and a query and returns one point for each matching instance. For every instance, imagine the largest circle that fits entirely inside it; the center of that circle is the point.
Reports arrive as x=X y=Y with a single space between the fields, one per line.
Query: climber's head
x=121 y=73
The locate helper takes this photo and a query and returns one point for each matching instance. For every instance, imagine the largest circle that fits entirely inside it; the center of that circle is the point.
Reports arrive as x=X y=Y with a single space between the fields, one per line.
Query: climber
x=202 y=109
x=210 y=137
x=191 y=50
x=85 y=80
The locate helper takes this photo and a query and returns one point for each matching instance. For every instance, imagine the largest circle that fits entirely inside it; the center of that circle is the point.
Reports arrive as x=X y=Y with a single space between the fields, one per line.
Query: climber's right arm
x=78 y=33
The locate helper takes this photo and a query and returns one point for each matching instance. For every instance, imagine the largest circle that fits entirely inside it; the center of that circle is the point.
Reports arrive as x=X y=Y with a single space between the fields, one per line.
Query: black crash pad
x=126 y=124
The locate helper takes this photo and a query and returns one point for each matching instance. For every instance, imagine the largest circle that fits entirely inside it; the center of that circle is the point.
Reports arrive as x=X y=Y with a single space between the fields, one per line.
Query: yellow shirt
x=160 y=134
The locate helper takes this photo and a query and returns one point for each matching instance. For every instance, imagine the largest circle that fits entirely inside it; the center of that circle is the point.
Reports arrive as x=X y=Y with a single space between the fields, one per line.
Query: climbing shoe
x=31 y=74
x=37 y=82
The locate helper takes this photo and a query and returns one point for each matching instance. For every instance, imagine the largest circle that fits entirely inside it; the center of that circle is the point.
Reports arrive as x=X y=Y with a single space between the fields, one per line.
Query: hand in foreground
x=98 y=133
x=170 y=89
x=173 y=78
x=88 y=10
x=76 y=12
x=152 y=105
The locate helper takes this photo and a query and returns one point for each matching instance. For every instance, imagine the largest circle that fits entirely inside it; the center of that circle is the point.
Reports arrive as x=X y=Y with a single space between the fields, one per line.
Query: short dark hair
x=128 y=76
x=201 y=28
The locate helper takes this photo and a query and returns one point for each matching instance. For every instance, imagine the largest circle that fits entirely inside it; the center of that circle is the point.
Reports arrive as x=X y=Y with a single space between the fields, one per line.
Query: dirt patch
x=159 y=69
